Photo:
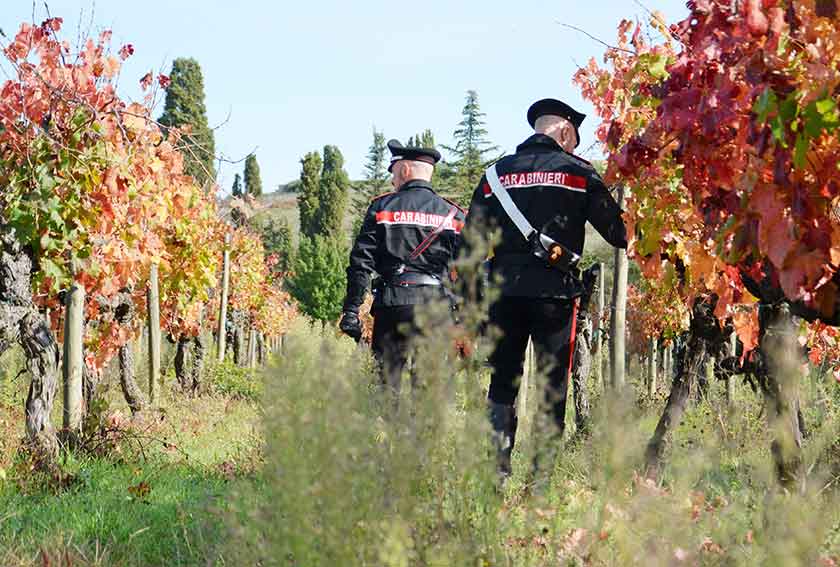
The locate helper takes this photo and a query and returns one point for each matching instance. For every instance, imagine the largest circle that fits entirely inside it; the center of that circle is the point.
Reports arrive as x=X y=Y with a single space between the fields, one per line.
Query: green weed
x=229 y=379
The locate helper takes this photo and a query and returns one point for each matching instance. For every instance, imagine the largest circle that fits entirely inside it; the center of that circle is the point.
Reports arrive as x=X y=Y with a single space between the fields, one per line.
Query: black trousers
x=550 y=324
x=394 y=329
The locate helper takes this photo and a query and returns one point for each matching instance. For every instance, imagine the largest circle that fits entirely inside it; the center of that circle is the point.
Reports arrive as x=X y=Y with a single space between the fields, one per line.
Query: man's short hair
x=421 y=167
x=548 y=120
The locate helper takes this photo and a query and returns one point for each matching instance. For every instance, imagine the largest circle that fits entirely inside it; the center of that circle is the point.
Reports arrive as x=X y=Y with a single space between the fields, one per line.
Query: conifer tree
x=423 y=140
x=184 y=106
x=253 y=183
x=236 y=190
x=332 y=194
x=427 y=139
x=277 y=239
x=320 y=278
x=472 y=150
x=376 y=179
x=308 y=198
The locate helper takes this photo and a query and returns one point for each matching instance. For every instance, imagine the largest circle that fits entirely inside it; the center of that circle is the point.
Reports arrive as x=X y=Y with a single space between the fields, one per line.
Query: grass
x=130 y=510
x=323 y=472
x=346 y=484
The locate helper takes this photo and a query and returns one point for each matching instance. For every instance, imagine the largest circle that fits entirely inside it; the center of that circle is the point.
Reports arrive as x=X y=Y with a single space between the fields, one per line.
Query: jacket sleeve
x=604 y=213
x=362 y=263
x=475 y=220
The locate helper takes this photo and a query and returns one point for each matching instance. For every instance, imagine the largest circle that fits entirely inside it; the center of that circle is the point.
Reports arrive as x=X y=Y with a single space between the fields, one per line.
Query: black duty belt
x=411 y=279
x=516 y=259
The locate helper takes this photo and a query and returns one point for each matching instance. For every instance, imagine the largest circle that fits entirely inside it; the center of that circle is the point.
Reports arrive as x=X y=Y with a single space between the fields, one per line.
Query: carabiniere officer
x=540 y=198
x=408 y=237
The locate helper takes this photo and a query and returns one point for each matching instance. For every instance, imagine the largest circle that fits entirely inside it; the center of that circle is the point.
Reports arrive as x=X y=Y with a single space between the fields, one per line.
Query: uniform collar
x=416 y=184
x=539 y=141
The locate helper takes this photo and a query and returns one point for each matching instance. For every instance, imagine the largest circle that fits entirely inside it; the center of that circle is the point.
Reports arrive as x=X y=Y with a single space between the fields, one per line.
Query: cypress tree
x=427 y=139
x=320 y=279
x=184 y=106
x=308 y=198
x=253 y=183
x=236 y=191
x=423 y=140
x=332 y=194
x=471 y=148
x=376 y=178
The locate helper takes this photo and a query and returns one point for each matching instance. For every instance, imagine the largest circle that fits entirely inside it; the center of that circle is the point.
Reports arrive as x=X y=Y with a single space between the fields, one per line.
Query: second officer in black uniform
x=540 y=198
x=408 y=238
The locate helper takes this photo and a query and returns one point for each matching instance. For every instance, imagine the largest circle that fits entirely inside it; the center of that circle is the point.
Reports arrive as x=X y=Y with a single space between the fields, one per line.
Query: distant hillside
x=283 y=205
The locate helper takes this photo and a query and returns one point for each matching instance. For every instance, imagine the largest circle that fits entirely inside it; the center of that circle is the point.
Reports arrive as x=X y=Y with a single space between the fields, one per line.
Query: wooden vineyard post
x=598 y=333
x=222 y=335
x=73 y=361
x=619 y=307
x=252 y=348
x=528 y=376
x=154 y=335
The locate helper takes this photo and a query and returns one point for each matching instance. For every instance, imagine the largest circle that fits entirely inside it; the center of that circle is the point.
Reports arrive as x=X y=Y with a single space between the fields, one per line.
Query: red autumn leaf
x=757 y=21
x=126 y=51
x=777 y=20
x=52 y=24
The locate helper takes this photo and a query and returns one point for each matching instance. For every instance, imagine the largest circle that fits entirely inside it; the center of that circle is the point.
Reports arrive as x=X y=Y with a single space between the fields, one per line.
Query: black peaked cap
x=400 y=152
x=554 y=107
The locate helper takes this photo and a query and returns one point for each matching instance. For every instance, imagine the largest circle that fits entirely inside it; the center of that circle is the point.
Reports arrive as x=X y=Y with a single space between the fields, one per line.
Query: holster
x=554 y=254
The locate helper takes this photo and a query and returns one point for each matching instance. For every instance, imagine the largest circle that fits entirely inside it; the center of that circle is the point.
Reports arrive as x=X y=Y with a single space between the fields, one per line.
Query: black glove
x=351 y=326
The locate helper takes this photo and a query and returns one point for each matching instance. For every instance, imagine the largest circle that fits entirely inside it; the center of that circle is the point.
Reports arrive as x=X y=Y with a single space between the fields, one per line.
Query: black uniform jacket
x=395 y=225
x=558 y=193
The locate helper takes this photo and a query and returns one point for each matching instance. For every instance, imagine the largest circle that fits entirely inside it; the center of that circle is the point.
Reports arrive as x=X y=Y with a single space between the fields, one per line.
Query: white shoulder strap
x=507 y=203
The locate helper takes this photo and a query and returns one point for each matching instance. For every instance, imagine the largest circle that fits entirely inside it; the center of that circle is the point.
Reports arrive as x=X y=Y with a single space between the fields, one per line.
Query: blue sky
x=295 y=75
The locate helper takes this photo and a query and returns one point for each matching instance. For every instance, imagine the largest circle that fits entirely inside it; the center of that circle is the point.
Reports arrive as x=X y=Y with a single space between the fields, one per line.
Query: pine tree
x=471 y=149
x=253 y=183
x=332 y=194
x=320 y=277
x=236 y=191
x=184 y=106
x=308 y=198
x=376 y=179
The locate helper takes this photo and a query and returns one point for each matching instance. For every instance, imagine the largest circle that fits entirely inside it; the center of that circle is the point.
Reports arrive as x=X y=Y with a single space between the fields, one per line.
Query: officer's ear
x=397 y=171
x=569 y=136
